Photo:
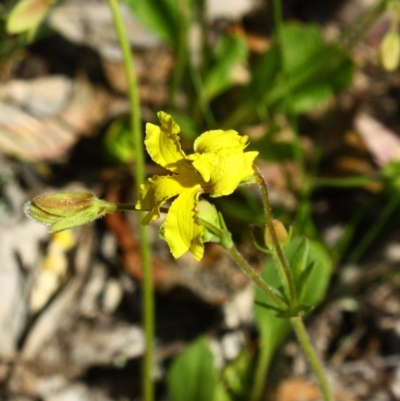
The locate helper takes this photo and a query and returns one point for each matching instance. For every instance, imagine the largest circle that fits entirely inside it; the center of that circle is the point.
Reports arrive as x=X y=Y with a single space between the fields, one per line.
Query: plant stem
x=305 y=342
x=204 y=25
x=139 y=173
x=357 y=30
x=288 y=276
x=181 y=53
x=254 y=276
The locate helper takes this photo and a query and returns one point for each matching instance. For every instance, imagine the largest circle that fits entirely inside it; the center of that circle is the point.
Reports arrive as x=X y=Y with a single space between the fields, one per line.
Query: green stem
x=204 y=25
x=139 y=172
x=288 y=276
x=344 y=182
x=305 y=342
x=181 y=53
x=125 y=207
x=357 y=30
x=254 y=276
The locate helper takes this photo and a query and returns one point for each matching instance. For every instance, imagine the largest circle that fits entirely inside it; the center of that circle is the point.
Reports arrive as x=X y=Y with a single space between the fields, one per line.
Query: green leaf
x=162 y=17
x=235 y=379
x=299 y=259
x=301 y=73
x=303 y=280
x=229 y=52
x=192 y=375
x=264 y=76
x=118 y=142
x=391 y=176
x=309 y=43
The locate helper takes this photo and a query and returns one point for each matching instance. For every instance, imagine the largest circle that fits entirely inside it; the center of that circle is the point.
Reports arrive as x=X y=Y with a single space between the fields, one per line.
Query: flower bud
x=27 y=15
x=67 y=209
x=389 y=50
x=280 y=231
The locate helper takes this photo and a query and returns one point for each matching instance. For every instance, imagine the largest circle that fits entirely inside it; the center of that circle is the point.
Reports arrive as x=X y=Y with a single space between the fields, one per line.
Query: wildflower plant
x=218 y=166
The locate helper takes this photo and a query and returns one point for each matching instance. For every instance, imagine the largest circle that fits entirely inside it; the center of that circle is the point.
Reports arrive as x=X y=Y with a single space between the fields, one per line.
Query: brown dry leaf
x=41 y=119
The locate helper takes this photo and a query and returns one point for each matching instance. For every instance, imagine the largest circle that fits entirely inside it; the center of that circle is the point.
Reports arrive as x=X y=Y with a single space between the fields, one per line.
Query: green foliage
x=189 y=129
x=118 y=142
x=391 y=176
x=229 y=52
x=192 y=375
x=312 y=284
x=235 y=379
x=299 y=72
x=163 y=17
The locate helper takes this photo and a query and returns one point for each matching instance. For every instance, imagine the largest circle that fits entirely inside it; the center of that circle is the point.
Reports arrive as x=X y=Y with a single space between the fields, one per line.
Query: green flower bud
x=389 y=50
x=280 y=231
x=27 y=15
x=67 y=209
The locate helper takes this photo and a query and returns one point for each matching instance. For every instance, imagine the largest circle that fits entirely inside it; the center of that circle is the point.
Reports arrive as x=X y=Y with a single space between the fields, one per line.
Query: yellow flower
x=217 y=167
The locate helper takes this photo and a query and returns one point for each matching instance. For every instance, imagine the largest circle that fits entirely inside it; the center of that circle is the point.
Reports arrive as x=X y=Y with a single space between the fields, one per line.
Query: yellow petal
x=215 y=141
x=225 y=172
x=162 y=143
x=182 y=230
x=157 y=190
x=204 y=164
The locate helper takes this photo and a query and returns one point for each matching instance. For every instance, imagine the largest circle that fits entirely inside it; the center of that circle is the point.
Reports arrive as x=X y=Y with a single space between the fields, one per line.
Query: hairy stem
x=305 y=342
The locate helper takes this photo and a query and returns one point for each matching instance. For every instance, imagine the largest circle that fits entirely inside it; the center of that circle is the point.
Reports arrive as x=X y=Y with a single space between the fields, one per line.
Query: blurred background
x=316 y=88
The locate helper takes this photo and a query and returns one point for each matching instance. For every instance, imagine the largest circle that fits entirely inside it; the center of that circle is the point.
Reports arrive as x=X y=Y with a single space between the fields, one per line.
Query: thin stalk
x=202 y=106
x=278 y=19
x=125 y=207
x=139 y=173
x=345 y=182
x=254 y=276
x=357 y=30
x=202 y=19
x=289 y=280
x=305 y=342
x=181 y=53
